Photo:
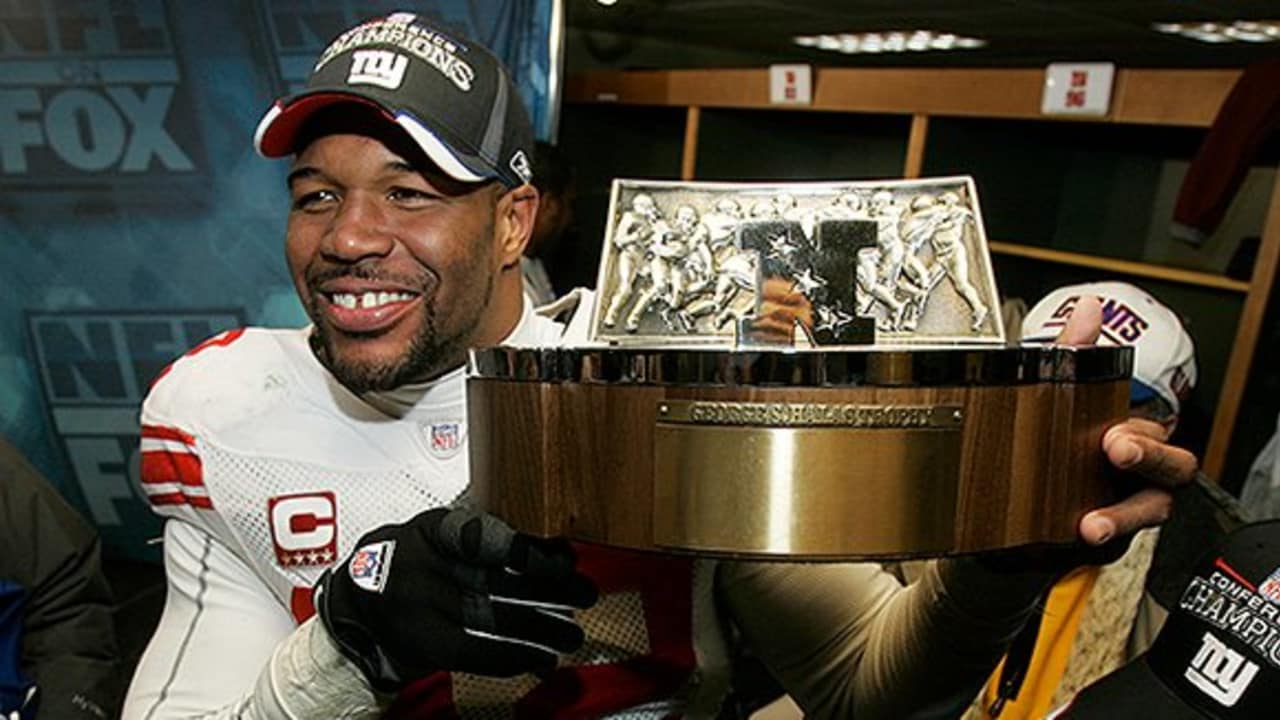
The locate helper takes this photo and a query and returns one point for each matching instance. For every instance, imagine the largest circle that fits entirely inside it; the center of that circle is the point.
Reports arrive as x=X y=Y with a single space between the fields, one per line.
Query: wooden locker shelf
x=1117 y=265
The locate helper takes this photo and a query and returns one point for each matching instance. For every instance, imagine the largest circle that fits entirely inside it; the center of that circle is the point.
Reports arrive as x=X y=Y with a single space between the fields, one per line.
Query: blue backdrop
x=135 y=218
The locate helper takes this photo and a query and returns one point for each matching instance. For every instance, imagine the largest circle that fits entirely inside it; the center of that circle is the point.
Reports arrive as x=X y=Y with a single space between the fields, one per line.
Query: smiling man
x=320 y=559
x=275 y=453
x=386 y=255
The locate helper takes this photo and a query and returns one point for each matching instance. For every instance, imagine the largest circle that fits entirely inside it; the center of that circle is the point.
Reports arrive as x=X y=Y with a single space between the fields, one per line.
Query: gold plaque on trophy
x=804 y=370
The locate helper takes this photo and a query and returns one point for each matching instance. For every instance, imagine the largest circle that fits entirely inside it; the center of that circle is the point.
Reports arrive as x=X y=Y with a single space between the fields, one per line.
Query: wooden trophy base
x=796 y=455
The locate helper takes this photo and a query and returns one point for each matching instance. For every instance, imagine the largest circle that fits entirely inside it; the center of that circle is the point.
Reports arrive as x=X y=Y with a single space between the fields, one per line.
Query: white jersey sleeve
x=226 y=645
x=217 y=630
x=225 y=649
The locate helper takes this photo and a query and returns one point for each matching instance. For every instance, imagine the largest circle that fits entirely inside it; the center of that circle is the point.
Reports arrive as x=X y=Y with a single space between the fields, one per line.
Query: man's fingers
x=550 y=558
x=557 y=633
x=1131 y=446
x=571 y=591
x=475 y=537
x=1142 y=509
x=490 y=654
x=519 y=639
x=1138 y=426
x=1084 y=325
x=774 y=328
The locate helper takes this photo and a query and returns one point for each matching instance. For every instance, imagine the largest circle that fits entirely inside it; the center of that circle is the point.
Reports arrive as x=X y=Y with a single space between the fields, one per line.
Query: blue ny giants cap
x=451 y=96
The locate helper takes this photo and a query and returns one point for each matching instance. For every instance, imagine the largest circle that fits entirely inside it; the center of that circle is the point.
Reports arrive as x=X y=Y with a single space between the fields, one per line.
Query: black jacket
x=68 y=641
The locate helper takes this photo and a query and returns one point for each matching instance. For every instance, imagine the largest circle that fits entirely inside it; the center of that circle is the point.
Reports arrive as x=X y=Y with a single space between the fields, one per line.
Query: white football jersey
x=270 y=471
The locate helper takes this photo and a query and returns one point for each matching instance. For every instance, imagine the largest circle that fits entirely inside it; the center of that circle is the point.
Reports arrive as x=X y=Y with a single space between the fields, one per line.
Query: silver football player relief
x=824 y=265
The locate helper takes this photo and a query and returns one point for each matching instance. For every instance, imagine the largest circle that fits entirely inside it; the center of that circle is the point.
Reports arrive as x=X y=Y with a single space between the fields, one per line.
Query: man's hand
x=781 y=309
x=1136 y=446
x=453 y=590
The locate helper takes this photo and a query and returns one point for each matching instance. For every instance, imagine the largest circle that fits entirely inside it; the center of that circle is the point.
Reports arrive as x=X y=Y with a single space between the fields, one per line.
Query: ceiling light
x=1254 y=31
x=889 y=41
x=1249 y=32
x=607 y=3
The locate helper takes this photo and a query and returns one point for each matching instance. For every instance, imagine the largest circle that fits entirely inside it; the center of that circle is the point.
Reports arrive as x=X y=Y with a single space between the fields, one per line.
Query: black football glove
x=455 y=590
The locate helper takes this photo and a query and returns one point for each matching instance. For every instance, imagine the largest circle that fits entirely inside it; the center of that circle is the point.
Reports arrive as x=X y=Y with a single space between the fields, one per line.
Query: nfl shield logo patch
x=1270 y=588
x=369 y=565
x=444 y=439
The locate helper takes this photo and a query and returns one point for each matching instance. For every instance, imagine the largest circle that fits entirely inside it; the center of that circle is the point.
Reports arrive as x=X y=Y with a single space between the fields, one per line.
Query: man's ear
x=513 y=223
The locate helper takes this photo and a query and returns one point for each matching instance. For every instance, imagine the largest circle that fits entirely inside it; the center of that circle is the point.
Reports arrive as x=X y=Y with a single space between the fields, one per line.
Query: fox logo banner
x=92 y=94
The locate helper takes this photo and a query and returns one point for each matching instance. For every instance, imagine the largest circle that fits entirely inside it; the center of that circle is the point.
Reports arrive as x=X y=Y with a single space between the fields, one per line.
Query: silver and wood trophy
x=795 y=371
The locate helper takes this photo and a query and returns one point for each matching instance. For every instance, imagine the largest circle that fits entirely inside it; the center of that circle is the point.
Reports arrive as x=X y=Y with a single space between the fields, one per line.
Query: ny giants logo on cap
x=377 y=67
x=1220 y=672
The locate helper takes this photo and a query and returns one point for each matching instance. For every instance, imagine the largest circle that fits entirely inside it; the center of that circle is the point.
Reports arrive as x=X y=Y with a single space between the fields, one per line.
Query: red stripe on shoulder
x=160 y=466
x=179 y=498
x=162 y=432
x=173 y=498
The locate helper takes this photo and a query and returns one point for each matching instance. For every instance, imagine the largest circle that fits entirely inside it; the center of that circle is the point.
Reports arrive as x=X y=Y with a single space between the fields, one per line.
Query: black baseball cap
x=451 y=96
x=1218 y=654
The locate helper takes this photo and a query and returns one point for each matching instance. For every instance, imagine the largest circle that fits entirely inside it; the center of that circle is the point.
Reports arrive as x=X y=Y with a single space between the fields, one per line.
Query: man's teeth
x=351 y=301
